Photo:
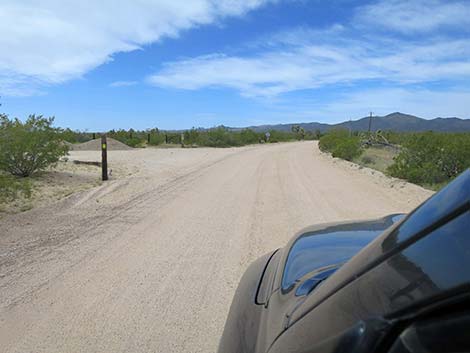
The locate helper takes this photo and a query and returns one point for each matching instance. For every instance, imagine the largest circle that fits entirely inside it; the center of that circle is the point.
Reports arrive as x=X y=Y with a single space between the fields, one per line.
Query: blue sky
x=172 y=64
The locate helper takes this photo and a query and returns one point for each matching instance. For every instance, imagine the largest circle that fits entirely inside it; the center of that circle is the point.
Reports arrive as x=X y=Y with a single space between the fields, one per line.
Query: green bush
x=281 y=136
x=248 y=136
x=432 y=158
x=192 y=137
x=341 y=144
x=131 y=138
x=30 y=146
x=157 y=139
x=221 y=137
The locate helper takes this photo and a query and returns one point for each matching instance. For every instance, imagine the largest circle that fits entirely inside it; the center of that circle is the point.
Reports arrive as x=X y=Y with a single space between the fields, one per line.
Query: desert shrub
x=30 y=146
x=432 y=158
x=192 y=137
x=11 y=187
x=221 y=137
x=348 y=149
x=281 y=136
x=312 y=135
x=248 y=136
x=130 y=137
x=340 y=144
x=174 y=137
x=157 y=139
x=134 y=142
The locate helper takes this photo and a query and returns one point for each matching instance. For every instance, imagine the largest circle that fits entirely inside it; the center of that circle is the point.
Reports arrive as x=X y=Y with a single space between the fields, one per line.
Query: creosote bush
x=432 y=158
x=340 y=143
x=28 y=147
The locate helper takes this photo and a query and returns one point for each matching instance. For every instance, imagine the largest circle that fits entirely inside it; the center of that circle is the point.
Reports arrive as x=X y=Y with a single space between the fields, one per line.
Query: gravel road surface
x=149 y=262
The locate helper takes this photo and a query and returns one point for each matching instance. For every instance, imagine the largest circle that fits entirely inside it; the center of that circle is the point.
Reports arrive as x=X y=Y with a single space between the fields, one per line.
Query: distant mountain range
x=395 y=121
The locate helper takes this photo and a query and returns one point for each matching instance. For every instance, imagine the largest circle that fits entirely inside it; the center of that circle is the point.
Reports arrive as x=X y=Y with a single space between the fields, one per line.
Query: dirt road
x=149 y=263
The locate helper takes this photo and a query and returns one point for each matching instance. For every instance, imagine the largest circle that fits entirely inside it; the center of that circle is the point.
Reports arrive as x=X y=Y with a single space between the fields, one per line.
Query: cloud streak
x=373 y=46
x=49 y=42
x=123 y=83
x=307 y=65
x=415 y=16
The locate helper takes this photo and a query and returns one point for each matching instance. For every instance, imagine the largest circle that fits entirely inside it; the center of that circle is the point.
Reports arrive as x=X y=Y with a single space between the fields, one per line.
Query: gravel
x=150 y=262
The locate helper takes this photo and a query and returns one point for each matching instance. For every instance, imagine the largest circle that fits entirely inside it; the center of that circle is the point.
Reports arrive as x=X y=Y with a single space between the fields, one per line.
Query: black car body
x=396 y=284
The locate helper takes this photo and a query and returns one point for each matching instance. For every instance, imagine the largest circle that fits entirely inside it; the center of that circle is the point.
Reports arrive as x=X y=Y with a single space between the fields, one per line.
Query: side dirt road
x=149 y=262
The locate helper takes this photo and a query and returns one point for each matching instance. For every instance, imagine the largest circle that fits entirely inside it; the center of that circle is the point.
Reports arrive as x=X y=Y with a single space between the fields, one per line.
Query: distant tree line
x=220 y=136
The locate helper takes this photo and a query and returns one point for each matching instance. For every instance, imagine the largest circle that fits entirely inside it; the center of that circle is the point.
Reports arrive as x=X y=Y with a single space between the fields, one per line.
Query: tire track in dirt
x=150 y=262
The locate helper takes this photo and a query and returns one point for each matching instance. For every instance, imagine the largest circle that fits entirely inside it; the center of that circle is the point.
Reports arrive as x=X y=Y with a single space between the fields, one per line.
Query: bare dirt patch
x=95 y=145
x=54 y=184
x=64 y=179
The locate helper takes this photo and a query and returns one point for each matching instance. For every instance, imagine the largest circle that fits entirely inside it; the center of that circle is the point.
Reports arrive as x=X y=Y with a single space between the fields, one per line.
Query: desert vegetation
x=219 y=136
x=341 y=143
x=33 y=169
x=29 y=147
x=25 y=149
x=431 y=159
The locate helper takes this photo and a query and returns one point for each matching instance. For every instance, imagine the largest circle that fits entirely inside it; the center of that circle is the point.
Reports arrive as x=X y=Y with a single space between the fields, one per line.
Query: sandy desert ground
x=149 y=262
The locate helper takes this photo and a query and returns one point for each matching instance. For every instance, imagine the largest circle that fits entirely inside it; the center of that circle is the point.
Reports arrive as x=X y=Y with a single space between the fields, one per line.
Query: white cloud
x=342 y=54
x=411 y=16
x=320 y=62
x=53 y=41
x=122 y=83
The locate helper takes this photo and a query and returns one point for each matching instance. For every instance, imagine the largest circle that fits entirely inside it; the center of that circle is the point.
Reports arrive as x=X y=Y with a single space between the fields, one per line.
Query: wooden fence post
x=104 y=158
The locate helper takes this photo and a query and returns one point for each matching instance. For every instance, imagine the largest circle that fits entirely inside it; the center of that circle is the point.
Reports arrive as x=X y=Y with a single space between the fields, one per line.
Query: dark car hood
x=320 y=247
x=312 y=255
x=386 y=269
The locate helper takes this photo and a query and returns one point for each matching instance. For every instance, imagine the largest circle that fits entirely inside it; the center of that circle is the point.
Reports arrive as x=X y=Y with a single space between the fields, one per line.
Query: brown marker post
x=104 y=158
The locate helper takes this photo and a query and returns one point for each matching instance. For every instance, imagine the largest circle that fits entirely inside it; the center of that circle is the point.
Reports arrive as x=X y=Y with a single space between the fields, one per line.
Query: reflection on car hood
x=331 y=245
